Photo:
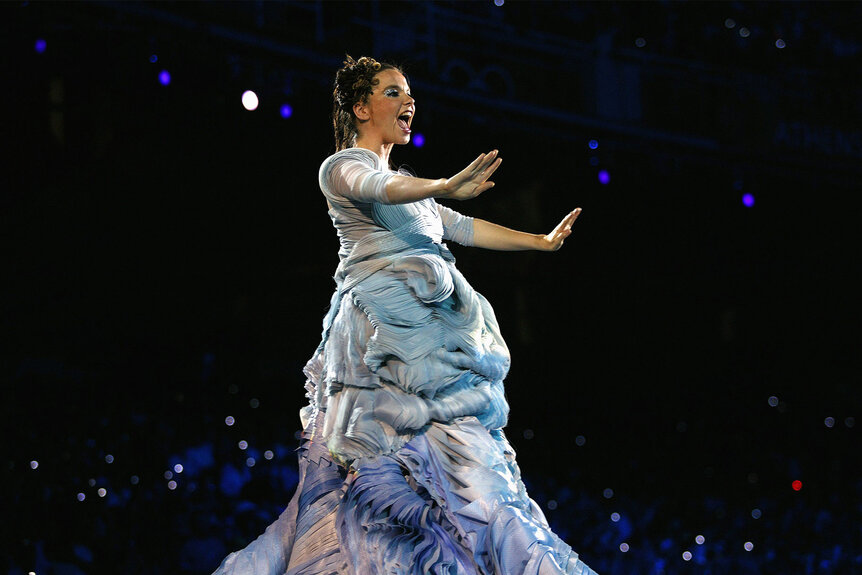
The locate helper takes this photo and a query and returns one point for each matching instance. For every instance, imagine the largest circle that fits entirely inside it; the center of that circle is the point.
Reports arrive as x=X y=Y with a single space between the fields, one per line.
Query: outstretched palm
x=473 y=180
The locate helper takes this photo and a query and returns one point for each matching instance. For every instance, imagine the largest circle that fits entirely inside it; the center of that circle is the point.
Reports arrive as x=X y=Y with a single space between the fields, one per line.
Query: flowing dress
x=404 y=467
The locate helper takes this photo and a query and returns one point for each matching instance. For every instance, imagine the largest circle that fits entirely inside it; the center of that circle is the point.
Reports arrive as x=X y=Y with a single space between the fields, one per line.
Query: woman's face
x=389 y=110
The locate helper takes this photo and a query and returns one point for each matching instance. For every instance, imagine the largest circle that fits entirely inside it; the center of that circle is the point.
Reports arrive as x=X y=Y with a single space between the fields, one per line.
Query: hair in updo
x=354 y=82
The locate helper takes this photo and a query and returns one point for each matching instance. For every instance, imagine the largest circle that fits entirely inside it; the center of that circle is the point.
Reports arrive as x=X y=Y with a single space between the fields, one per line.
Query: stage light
x=686 y=555
x=250 y=462
x=608 y=493
x=286 y=111
x=499 y=2
x=640 y=42
x=624 y=547
x=829 y=422
x=594 y=160
x=178 y=468
x=580 y=440
x=729 y=23
x=756 y=513
x=850 y=422
x=153 y=58
x=528 y=434
x=699 y=539
x=744 y=32
x=418 y=140
x=748 y=546
x=249 y=100
x=796 y=485
x=594 y=144
x=615 y=517
x=91 y=482
x=109 y=458
x=254 y=403
x=169 y=474
x=747 y=200
x=243 y=444
x=34 y=464
x=552 y=504
x=268 y=454
x=172 y=485
x=773 y=401
x=229 y=420
x=102 y=491
x=164 y=78
x=604 y=177
x=780 y=44
x=134 y=479
x=81 y=497
x=40 y=46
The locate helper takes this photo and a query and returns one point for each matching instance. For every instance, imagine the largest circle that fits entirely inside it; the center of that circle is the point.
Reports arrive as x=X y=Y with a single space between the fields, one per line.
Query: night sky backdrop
x=167 y=260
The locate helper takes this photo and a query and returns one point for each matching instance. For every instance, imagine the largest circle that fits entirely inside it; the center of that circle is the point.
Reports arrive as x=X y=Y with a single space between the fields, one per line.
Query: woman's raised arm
x=494 y=237
x=466 y=184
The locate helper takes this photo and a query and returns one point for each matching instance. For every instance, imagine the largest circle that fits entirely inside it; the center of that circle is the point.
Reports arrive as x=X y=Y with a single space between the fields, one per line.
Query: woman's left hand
x=554 y=240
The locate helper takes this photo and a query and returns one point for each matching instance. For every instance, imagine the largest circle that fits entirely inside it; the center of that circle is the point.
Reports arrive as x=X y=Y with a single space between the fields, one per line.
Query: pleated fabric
x=404 y=467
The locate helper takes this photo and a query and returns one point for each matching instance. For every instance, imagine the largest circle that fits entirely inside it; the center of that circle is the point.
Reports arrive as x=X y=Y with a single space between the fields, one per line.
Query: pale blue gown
x=404 y=467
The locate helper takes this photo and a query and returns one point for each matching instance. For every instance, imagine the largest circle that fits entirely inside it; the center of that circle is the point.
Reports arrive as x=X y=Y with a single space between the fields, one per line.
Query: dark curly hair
x=354 y=82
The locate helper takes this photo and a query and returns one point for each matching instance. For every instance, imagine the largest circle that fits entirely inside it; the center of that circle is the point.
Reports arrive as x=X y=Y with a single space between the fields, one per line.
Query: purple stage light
x=41 y=45
x=154 y=58
x=604 y=177
x=780 y=44
x=164 y=77
x=594 y=144
x=418 y=140
x=747 y=200
x=286 y=111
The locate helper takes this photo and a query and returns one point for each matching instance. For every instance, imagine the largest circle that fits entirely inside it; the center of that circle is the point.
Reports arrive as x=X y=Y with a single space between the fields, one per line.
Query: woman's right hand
x=473 y=180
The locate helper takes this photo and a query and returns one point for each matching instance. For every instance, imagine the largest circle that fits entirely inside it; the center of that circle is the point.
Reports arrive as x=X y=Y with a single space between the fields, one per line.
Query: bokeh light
x=624 y=547
x=604 y=177
x=730 y=23
x=748 y=546
x=615 y=517
x=780 y=44
x=499 y=2
x=286 y=111
x=608 y=493
x=594 y=144
x=744 y=32
x=686 y=555
x=243 y=444
x=81 y=496
x=747 y=200
x=700 y=539
x=172 y=485
x=254 y=403
x=250 y=462
x=268 y=454
x=109 y=458
x=178 y=468
x=640 y=42
x=229 y=420
x=528 y=434
x=580 y=441
x=40 y=45
x=418 y=140
x=756 y=513
x=250 y=101
x=796 y=485
x=829 y=422
x=773 y=401
x=154 y=58
x=134 y=480
x=164 y=78
x=102 y=492
x=34 y=464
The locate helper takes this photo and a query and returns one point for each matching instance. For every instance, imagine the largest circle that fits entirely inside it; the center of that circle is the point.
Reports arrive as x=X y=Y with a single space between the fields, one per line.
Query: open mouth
x=404 y=121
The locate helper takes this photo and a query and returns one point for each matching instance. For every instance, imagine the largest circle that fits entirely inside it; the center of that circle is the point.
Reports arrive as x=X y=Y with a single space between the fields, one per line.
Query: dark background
x=167 y=261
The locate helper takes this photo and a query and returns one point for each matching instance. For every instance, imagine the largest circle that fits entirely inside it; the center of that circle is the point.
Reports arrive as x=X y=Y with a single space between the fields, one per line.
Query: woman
x=404 y=467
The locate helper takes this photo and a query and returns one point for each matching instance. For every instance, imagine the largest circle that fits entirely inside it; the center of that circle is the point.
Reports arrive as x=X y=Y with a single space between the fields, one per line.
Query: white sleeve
x=354 y=174
x=456 y=227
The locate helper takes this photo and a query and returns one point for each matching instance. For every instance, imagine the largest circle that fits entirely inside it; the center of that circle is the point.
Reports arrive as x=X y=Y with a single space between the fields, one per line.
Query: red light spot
x=796 y=485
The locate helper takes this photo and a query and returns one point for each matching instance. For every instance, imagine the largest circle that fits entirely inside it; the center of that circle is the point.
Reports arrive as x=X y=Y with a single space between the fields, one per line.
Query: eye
x=391 y=92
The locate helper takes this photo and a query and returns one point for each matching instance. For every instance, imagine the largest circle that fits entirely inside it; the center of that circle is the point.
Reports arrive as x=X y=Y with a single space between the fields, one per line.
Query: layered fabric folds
x=404 y=467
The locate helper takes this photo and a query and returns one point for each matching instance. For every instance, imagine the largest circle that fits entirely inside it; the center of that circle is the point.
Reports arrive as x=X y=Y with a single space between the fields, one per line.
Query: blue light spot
x=418 y=140
x=747 y=200
x=594 y=160
x=286 y=111
x=604 y=177
x=594 y=144
x=41 y=45
x=154 y=58
x=499 y=2
x=780 y=44
x=164 y=77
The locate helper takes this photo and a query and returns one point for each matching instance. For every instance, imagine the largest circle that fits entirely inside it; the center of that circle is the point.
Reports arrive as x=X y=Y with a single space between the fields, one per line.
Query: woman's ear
x=360 y=110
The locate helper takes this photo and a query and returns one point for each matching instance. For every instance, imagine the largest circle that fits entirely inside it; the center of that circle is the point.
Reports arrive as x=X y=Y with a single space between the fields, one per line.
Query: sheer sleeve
x=456 y=227
x=354 y=174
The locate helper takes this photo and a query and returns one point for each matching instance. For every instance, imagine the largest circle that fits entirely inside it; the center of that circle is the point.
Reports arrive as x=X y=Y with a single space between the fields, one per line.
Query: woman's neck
x=379 y=148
